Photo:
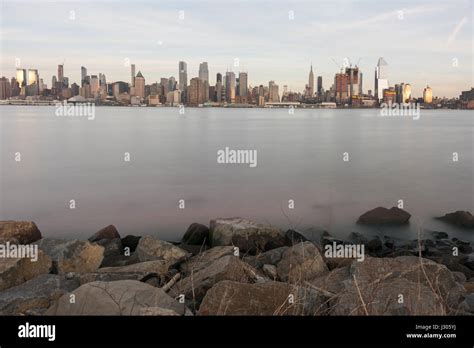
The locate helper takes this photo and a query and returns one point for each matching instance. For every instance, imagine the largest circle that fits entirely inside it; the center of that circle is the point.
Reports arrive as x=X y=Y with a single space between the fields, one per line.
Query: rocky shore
x=238 y=267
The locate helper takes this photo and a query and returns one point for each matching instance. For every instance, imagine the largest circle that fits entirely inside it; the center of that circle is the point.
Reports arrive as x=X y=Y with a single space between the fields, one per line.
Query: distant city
x=230 y=90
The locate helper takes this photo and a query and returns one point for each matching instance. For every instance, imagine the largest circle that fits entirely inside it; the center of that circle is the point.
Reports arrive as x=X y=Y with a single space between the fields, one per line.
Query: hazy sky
x=420 y=40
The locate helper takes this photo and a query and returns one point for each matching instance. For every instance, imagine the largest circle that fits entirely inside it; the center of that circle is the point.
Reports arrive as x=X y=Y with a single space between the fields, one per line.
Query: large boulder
x=270 y=298
x=301 y=262
x=248 y=236
x=150 y=248
x=72 y=255
x=20 y=232
x=14 y=271
x=34 y=296
x=271 y=257
x=384 y=216
x=109 y=232
x=197 y=234
x=293 y=237
x=229 y=267
x=205 y=259
x=123 y=297
x=459 y=218
x=375 y=286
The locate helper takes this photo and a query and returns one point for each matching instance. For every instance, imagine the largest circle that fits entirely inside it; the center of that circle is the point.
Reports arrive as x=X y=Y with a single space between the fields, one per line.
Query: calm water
x=173 y=157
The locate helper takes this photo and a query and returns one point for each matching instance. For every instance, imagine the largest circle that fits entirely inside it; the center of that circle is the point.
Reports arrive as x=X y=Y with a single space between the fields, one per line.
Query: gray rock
x=123 y=297
x=14 y=271
x=72 y=255
x=358 y=238
x=271 y=257
x=197 y=234
x=439 y=235
x=112 y=247
x=271 y=298
x=459 y=218
x=150 y=248
x=248 y=236
x=384 y=216
x=205 y=259
x=374 y=244
x=20 y=232
x=109 y=232
x=301 y=262
x=293 y=237
x=270 y=271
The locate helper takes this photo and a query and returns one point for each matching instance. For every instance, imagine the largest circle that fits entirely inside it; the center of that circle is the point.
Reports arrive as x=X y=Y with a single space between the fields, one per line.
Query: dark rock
x=197 y=234
x=271 y=257
x=293 y=237
x=20 y=232
x=130 y=242
x=193 y=249
x=459 y=218
x=112 y=247
x=389 y=242
x=358 y=238
x=439 y=235
x=384 y=216
x=109 y=232
x=374 y=244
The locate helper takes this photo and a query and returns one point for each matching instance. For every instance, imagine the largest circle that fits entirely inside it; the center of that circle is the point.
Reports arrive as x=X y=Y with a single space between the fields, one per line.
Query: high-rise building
x=341 y=86
x=428 y=95
x=140 y=85
x=381 y=78
x=183 y=76
x=204 y=72
x=164 y=86
x=230 y=87
x=83 y=74
x=360 y=84
x=273 y=95
x=5 y=88
x=243 y=84
x=320 y=85
x=32 y=87
x=196 y=91
x=61 y=73
x=95 y=86
x=311 y=83
x=219 y=88
x=21 y=77
x=132 y=71
x=406 y=93
x=171 y=84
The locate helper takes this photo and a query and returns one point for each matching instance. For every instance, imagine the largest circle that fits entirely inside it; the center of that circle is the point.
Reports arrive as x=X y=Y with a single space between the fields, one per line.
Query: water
x=173 y=157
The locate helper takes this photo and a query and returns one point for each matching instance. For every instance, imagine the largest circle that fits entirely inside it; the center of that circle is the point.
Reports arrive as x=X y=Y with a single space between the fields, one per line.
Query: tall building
x=273 y=95
x=132 y=71
x=230 y=87
x=140 y=85
x=428 y=95
x=243 y=84
x=83 y=74
x=219 y=88
x=183 y=76
x=320 y=85
x=361 y=92
x=164 y=86
x=204 y=72
x=381 y=78
x=95 y=86
x=196 y=91
x=341 y=85
x=5 y=88
x=406 y=93
x=61 y=73
x=171 y=84
x=21 y=77
x=33 y=82
x=311 y=83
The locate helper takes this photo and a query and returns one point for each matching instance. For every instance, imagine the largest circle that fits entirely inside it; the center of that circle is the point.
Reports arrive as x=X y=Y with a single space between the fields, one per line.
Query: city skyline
x=429 y=37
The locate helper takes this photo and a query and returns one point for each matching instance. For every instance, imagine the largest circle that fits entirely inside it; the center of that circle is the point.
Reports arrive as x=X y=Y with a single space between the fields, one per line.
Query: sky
x=423 y=42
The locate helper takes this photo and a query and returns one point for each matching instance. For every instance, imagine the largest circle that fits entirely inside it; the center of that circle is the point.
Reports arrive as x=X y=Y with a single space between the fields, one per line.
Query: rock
x=358 y=238
x=149 y=249
x=147 y=267
x=197 y=234
x=248 y=236
x=333 y=281
x=470 y=302
x=20 y=232
x=72 y=255
x=205 y=259
x=439 y=235
x=459 y=218
x=110 y=277
x=384 y=216
x=301 y=262
x=270 y=271
x=109 y=232
x=14 y=271
x=380 y=281
x=464 y=246
x=130 y=242
x=119 y=260
x=271 y=257
x=455 y=264
x=469 y=286
x=229 y=267
x=293 y=237
x=123 y=297
x=460 y=277
x=112 y=247
x=389 y=242
x=35 y=295
x=374 y=244
x=193 y=249
x=271 y=298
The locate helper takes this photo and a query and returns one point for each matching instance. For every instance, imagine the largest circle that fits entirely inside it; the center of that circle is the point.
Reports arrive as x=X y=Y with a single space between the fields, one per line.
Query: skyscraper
x=61 y=73
x=139 y=85
x=273 y=94
x=183 y=76
x=428 y=95
x=196 y=91
x=243 y=84
x=219 y=87
x=311 y=83
x=320 y=85
x=132 y=82
x=230 y=87
x=21 y=77
x=83 y=74
x=381 y=78
x=204 y=72
x=406 y=93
